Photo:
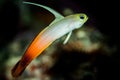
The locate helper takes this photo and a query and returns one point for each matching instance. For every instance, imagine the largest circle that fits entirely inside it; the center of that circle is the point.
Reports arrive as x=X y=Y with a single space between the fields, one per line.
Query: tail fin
x=17 y=70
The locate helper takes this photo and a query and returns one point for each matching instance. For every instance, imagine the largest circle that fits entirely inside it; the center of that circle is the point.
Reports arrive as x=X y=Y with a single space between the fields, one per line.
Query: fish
x=59 y=27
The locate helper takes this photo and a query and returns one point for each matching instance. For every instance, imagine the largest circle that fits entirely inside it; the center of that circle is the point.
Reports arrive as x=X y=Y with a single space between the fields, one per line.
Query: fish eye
x=82 y=17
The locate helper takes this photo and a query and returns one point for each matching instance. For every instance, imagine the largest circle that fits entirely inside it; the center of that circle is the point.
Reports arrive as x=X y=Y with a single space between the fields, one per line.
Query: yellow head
x=81 y=19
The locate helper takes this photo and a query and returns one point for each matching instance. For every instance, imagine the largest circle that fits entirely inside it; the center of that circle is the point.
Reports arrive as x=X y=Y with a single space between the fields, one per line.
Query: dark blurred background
x=102 y=14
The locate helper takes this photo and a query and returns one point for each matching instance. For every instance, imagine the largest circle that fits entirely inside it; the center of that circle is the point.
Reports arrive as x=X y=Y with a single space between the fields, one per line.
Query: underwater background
x=92 y=53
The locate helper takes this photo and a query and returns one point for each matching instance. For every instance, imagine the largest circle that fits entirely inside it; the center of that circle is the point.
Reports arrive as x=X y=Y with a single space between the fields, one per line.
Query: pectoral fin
x=68 y=37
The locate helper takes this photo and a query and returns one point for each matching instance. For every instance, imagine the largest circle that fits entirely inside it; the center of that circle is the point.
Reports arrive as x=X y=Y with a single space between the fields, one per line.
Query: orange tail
x=39 y=44
x=17 y=70
x=20 y=66
x=26 y=59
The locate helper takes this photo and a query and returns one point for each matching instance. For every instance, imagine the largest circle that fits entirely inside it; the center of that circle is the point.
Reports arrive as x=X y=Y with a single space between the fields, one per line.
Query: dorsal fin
x=57 y=15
